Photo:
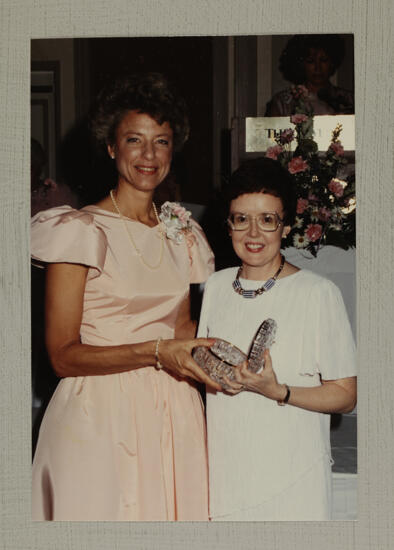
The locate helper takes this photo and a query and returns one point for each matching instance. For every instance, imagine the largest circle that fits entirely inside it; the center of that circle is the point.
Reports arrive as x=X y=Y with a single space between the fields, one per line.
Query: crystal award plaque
x=219 y=360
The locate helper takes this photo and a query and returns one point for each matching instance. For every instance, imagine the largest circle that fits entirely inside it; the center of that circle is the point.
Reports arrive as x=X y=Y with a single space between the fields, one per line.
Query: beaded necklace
x=266 y=286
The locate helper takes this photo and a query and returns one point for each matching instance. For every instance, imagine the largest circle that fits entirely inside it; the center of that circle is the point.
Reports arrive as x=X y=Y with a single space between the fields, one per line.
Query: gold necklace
x=138 y=251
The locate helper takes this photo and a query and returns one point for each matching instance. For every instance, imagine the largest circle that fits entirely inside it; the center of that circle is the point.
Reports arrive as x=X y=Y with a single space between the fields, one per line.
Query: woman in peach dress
x=123 y=437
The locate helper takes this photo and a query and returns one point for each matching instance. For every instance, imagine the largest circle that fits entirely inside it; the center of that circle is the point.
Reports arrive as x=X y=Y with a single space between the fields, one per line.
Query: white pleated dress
x=268 y=462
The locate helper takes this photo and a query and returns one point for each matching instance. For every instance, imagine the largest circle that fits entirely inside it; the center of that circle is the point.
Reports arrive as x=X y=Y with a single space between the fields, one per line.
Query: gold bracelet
x=284 y=401
x=158 y=364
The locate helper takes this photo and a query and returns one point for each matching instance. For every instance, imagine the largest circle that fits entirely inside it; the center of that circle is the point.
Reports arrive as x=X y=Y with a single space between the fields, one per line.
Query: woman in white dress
x=270 y=462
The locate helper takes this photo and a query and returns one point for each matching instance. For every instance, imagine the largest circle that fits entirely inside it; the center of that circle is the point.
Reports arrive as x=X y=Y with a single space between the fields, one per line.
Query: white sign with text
x=260 y=132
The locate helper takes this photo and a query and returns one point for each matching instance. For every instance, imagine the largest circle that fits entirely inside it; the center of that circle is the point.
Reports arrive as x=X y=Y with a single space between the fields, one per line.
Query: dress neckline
x=116 y=215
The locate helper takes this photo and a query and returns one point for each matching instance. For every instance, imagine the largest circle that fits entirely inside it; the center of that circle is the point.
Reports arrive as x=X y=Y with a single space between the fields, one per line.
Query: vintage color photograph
x=193 y=206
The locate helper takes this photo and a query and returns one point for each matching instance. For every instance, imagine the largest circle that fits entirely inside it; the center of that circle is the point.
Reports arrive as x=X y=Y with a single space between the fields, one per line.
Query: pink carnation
x=336 y=187
x=297 y=164
x=287 y=136
x=336 y=146
x=274 y=151
x=301 y=205
x=298 y=118
x=313 y=231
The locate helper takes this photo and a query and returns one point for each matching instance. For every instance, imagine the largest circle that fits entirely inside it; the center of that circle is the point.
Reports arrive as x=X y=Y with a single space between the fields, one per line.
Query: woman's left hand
x=264 y=383
x=331 y=396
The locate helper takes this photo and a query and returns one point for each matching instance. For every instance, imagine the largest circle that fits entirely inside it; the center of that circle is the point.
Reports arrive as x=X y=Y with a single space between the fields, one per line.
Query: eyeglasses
x=266 y=221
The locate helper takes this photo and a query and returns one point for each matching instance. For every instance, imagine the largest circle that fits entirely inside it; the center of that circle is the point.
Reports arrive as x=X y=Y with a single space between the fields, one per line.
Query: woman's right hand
x=69 y=357
x=176 y=356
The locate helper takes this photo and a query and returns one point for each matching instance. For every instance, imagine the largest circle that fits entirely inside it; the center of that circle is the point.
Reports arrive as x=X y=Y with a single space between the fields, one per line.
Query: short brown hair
x=148 y=93
x=264 y=175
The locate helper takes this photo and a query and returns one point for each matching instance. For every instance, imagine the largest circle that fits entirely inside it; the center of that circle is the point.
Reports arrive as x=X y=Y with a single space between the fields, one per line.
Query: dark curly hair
x=263 y=175
x=148 y=93
x=297 y=49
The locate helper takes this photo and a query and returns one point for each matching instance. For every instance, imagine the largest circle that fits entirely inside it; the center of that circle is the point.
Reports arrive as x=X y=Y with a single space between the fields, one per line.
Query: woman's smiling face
x=259 y=250
x=142 y=151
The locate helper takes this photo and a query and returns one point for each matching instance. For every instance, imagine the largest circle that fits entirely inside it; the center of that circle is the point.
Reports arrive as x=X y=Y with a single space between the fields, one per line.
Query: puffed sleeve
x=63 y=234
x=334 y=344
x=202 y=260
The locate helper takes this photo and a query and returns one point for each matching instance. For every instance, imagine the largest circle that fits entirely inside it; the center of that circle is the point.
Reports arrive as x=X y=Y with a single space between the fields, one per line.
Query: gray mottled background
x=21 y=20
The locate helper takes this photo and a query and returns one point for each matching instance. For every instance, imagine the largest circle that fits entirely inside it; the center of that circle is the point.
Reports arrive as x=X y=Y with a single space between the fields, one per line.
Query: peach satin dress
x=128 y=446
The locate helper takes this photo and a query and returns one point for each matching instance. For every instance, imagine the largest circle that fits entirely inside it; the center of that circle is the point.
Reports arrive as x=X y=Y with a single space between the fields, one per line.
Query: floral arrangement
x=176 y=220
x=325 y=198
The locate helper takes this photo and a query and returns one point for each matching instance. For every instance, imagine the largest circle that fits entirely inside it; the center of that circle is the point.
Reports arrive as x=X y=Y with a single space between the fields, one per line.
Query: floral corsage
x=176 y=220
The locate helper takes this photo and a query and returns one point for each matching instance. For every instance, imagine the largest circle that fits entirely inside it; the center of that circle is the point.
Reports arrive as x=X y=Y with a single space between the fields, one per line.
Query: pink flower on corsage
x=297 y=164
x=286 y=136
x=176 y=220
x=302 y=205
x=336 y=146
x=298 y=118
x=336 y=187
x=313 y=231
x=274 y=151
